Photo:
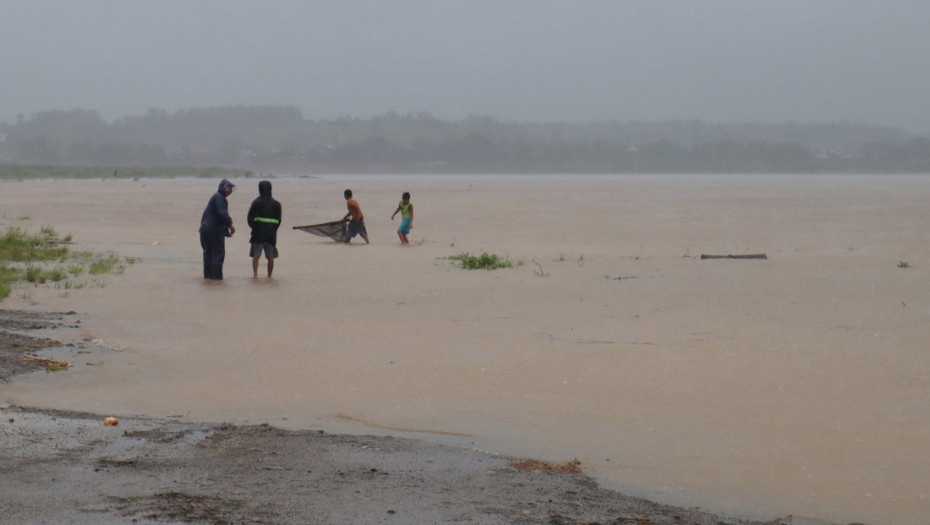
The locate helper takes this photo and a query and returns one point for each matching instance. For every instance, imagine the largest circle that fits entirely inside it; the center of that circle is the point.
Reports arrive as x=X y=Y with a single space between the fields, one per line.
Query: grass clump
x=104 y=264
x=43 y=257
x=6 y=279
x=485 y=261
x=34 y=274
x=17 y=244
x=57 y=274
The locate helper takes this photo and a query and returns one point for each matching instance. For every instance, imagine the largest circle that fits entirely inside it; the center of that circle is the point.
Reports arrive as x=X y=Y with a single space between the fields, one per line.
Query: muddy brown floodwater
x=796 y=385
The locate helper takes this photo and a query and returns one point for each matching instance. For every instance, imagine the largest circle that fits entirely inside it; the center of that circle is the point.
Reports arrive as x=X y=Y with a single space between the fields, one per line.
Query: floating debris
x=533 y=464
x=51 y=365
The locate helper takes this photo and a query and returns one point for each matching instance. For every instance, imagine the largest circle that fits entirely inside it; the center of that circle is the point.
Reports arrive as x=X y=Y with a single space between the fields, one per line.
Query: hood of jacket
x=225 y=184
x=264 y=188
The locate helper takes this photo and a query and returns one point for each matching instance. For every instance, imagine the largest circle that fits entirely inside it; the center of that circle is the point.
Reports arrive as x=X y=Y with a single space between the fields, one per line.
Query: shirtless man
x=356 y=219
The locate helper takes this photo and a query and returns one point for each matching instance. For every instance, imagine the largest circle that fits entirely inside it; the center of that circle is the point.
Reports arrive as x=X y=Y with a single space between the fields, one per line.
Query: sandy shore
x=65 y=467
x=791 y=385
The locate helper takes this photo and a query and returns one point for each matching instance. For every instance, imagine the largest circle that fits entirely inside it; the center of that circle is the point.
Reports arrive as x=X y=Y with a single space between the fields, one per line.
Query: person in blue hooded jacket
x=264 y=218
x=215 y=226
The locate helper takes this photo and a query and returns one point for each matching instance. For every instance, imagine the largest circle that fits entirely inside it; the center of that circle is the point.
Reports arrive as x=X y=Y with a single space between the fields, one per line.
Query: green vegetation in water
x=40 y=258
x=104 y=265
x=485 y=261
x=6 y=279
x=17 y=244
x=48 y=171
x=903 y=264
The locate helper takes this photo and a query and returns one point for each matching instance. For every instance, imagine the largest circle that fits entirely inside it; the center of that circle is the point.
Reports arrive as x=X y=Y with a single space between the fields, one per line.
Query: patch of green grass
x=485 y=261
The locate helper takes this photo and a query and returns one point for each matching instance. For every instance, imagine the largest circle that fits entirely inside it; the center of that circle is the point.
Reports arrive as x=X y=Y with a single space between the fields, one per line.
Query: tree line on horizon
x=257 y=136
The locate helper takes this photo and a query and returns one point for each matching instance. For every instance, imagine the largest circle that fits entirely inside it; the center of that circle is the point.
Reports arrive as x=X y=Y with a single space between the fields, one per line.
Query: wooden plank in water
x=746 y=256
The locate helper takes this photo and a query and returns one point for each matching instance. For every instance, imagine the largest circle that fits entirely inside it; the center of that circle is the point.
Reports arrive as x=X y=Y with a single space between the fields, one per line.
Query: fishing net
x=335 y=230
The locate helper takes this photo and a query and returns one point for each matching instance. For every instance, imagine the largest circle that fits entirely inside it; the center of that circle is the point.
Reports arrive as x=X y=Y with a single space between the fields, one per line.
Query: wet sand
x=65 y=467
x=796 y=384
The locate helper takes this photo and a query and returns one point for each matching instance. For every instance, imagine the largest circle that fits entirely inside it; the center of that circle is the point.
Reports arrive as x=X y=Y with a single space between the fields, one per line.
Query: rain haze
x=734 y=319
x=524 y=60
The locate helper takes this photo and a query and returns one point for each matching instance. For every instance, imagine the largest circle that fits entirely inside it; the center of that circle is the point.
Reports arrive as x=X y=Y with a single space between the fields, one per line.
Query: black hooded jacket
x=264 y=216
x=215 y=218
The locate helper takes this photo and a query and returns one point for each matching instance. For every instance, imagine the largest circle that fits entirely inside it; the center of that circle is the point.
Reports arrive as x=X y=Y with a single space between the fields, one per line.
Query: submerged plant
x=34 y=274
x=105 y=264
x=485 y=261
x=58 y=274
x=539 y=270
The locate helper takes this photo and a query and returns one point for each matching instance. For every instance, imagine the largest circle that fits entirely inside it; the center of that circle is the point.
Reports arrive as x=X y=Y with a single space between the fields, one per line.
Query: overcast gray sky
x=527 y=60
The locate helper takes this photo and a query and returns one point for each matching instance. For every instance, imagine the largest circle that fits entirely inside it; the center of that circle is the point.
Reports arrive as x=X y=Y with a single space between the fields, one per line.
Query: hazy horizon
x=717 y=61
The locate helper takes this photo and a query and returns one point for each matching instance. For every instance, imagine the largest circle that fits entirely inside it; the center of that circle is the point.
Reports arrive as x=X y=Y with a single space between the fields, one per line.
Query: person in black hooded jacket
x=215 y=226
x=264 y=219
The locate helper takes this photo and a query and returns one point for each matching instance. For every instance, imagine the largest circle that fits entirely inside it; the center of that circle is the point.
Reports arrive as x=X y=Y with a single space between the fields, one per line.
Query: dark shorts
x=271 y=252
x=356 y=228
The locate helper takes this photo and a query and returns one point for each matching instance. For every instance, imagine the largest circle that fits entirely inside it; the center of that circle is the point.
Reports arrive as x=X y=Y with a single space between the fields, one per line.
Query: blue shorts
x=404 y=226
